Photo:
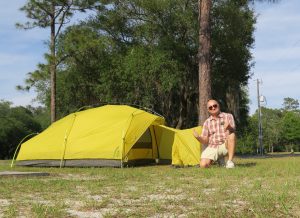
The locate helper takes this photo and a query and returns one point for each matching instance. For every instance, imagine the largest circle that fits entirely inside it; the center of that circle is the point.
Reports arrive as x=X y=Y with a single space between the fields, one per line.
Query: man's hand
x=196 y=134
x=202 y=140
x=227 y=126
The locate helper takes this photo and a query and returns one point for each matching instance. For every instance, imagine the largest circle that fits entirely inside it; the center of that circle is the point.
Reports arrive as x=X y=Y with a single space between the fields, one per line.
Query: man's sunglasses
x=213 y=106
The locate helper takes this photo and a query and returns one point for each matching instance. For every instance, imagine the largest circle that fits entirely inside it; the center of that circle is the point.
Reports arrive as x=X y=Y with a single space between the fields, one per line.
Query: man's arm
x=229 y=124
x=201 y=139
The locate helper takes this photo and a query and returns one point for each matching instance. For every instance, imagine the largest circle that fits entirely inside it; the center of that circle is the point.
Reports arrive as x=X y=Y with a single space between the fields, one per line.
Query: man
x=218 y=133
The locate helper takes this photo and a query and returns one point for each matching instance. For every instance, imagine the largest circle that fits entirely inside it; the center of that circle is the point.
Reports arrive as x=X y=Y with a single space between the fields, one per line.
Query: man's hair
x=213 y=100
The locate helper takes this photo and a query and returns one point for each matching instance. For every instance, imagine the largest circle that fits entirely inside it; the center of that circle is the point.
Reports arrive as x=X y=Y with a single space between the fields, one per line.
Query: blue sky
x=20 y=51
x=276 y=53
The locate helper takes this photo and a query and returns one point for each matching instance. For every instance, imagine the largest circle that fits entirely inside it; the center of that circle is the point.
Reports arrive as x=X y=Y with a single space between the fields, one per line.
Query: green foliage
x=272 y=128
x=290 y=104
x=39 y=80
x=232 y=38
x=280 y=131
x=246 y=143
x=146 y=53
x=15 y=124
x=53 y=14
x=41 y=115
x=141 y=65
x=42 y=13
x=87 y=63
x=153 y=68
x=291 y=129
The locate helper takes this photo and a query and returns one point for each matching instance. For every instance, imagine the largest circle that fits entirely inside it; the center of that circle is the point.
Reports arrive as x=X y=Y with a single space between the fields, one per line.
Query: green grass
x=257 y=187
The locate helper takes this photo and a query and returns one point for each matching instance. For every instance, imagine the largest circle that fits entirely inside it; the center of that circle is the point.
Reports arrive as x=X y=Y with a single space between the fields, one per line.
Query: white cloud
x=280 y=18
x=281 y=84
x=277 y=53
x=277 y=24
x=275 y=86
x=7 y=8
x=22 y=98
x=11 y=59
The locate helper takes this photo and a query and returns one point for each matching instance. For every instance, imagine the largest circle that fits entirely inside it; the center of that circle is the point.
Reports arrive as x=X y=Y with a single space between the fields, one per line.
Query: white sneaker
x=229 y=164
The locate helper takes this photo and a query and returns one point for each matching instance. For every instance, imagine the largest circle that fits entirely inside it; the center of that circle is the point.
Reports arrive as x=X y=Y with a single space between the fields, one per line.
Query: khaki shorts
x=214 y=153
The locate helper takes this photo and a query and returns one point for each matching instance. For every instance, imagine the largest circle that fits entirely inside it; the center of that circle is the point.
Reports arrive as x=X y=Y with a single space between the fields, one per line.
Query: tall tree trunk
x=53 y=67
x=183 y=108
x=204 y=59
x=233 y=101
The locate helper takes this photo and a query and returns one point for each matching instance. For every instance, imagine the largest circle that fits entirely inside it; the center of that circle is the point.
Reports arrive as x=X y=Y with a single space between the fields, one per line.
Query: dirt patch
x=160 y=197
x=76 y=177
x=90 y=214
x=4 y=203
x=209 y=191
x=18 y=173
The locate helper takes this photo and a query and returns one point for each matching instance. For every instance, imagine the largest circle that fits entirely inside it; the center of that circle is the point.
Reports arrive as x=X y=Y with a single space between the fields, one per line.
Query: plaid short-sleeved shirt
x=213 y=128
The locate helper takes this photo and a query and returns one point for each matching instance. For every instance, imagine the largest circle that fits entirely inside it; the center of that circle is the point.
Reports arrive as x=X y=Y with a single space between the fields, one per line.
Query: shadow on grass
x=252 y=164
x=268 y=155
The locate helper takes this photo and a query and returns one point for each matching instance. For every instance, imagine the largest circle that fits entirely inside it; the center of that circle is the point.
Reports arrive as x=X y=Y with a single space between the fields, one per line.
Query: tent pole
x=123 y=139
x=156 y=143
x=63 y=155
x=123 y=143
x=14 y=157
x=65 y=142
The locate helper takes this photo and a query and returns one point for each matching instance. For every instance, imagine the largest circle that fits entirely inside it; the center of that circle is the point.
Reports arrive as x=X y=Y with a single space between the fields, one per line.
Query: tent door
x=142 y=149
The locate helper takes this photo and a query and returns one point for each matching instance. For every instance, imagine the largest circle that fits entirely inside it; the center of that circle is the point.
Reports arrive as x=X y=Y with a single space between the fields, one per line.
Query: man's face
x=213 y=107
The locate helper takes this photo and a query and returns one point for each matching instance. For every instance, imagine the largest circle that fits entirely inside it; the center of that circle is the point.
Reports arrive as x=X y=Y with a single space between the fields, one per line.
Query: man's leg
x=231 y=139
x=205 y=163
x=208 y=156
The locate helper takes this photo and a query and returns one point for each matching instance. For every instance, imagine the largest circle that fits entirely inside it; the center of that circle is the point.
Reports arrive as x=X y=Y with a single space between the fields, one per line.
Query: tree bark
x=53 y=67
x=204 y=58
x=233 y=101
x=183 y=108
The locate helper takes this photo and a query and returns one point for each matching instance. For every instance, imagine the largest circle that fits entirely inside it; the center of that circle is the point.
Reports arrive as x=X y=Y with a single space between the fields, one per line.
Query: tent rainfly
x=111 y=135
x=178 y=145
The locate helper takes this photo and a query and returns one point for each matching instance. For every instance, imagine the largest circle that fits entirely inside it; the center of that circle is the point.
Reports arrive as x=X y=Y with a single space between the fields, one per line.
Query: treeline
x=18 y=122
x=281 y=128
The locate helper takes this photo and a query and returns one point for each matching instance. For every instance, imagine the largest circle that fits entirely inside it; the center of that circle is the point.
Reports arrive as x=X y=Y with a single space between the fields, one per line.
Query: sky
x=276 y=53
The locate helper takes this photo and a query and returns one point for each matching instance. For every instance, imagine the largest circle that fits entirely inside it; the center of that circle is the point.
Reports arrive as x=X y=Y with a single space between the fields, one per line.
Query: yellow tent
x=178 y=145
x=111 y=135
